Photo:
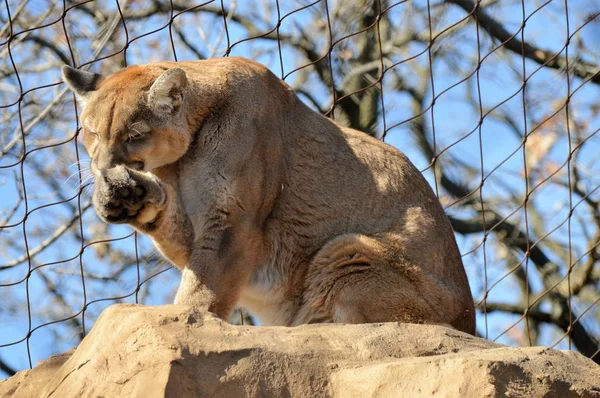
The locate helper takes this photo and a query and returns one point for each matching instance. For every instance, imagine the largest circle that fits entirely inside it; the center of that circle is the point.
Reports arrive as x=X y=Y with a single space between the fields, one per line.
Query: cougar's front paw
x=128 y=196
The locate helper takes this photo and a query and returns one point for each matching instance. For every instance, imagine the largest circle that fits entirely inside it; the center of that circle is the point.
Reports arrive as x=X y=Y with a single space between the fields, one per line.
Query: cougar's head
x=132 y=118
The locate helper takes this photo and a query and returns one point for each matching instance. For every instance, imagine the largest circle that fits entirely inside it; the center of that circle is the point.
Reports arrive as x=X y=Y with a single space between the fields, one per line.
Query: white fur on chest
x=265 y=297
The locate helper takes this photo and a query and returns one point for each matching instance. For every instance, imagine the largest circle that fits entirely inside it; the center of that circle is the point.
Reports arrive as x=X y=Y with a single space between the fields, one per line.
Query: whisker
x=85 y=181
x=84 y=174
x=83 y=185
x=80 y=162
x=82 y=169
x=87 y=190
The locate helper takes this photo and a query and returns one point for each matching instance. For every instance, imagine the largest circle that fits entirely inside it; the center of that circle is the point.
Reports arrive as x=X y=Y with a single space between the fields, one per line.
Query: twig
x=510 y=41
x=10 y=371
x=58 y=232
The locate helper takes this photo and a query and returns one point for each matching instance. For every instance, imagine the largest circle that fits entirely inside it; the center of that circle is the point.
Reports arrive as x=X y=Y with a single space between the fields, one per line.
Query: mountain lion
x=264 y=203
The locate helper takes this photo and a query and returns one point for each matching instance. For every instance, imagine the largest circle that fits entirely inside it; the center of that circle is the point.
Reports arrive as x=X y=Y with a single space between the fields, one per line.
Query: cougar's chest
x=266 y=297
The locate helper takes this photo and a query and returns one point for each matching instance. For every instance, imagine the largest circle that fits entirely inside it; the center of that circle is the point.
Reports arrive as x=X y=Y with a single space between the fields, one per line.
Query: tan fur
x=268 y=204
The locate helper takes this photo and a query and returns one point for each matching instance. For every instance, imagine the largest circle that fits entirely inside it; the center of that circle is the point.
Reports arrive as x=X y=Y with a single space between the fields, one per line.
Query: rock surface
x=137 y=351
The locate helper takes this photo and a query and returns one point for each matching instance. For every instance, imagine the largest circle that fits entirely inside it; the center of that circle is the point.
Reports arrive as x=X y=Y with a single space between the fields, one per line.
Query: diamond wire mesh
x=496 y=103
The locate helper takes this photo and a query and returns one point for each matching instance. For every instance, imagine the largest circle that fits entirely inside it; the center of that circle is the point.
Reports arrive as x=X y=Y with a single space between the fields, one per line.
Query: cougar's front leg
x=221 y=264
x=148 y=204
x=171 y=229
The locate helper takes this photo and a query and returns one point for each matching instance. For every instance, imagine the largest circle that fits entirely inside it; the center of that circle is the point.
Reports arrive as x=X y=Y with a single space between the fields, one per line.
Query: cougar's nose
x=106 y=161
x=110 y=157
x=111 y=160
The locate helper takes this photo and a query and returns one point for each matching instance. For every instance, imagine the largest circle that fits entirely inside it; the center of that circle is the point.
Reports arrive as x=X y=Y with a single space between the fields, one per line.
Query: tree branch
x=514 y=236
x=537 y=315
x=582 y=340
x=60 y=298
x=511 y=42
x=50 y=46
x=58 y=232
x=7 y=368
x=188 y=43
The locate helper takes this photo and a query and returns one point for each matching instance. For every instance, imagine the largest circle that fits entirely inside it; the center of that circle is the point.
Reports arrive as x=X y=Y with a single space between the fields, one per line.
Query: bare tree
x=495 y=101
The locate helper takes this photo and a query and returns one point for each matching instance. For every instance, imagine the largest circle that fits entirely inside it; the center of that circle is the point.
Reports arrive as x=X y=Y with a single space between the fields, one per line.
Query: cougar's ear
x=166 y=94
x=82 y=83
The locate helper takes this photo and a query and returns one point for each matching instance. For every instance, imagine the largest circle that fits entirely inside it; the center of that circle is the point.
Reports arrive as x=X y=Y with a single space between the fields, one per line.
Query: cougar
x=265 y=203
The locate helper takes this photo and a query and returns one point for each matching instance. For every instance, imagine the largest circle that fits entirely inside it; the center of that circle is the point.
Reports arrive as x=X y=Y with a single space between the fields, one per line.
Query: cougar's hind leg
x=365 y=279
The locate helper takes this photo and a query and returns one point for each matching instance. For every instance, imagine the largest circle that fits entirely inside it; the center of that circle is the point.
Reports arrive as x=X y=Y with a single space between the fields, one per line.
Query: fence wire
x=496 y=102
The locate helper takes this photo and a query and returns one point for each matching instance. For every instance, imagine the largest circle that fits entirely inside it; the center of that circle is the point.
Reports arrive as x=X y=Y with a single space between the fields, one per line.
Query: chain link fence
x=495 y=101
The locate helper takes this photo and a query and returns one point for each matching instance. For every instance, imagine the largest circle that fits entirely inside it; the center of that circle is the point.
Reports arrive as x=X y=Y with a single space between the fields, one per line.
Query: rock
x=138 y=351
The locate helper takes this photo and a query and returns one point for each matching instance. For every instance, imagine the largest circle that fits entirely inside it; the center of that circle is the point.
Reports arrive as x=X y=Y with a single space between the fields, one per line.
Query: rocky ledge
x=171 y=351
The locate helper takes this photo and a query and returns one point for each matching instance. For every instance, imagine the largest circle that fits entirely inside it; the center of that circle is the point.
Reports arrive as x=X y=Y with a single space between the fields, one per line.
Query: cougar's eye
x=135 y=136
x=137 y=131
x=93 y=134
